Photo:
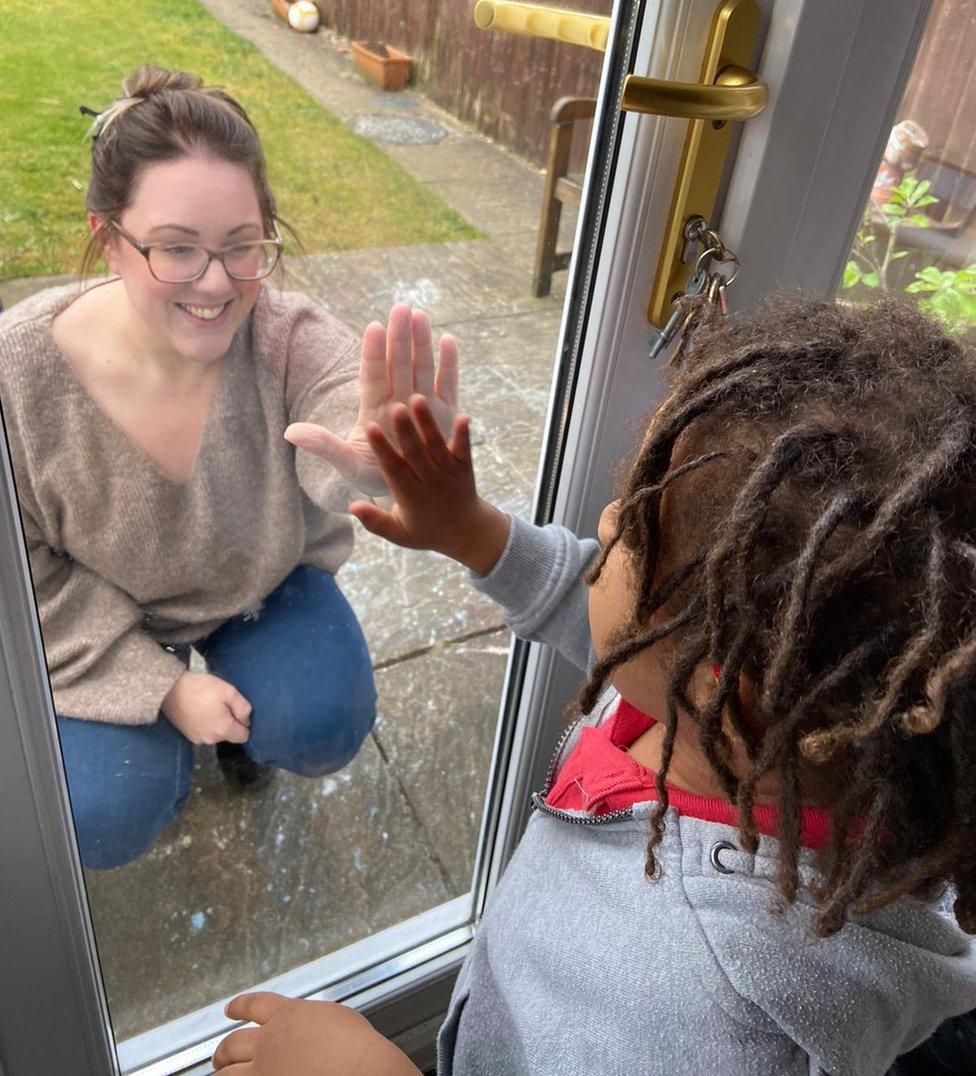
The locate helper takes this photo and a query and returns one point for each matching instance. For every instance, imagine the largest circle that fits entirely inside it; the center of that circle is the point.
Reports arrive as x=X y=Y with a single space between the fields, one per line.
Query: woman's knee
x=319 y=736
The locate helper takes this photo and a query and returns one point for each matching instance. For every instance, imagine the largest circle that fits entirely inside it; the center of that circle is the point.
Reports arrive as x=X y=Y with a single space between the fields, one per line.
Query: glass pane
x=918 y=235
x=172 y=533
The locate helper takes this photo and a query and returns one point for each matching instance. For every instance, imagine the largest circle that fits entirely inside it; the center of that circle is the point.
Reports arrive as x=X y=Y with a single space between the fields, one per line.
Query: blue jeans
x=301 y=662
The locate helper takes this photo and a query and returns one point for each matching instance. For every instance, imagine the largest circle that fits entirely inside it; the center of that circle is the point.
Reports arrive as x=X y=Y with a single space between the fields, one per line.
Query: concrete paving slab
x=244 y=886
x=465 y=156
x=452 y=281
x=436 y=731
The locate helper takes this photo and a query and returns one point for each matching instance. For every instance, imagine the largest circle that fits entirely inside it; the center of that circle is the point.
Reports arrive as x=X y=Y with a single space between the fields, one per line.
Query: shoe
x=240 y=770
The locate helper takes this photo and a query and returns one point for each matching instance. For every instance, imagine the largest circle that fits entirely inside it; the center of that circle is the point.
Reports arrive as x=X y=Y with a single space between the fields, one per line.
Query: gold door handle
x=726 y=91
x=557 y=24
x=736 y=94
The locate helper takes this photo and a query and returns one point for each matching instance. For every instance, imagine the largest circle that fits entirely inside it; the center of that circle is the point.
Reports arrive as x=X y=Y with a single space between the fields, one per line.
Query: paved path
x=244 y=887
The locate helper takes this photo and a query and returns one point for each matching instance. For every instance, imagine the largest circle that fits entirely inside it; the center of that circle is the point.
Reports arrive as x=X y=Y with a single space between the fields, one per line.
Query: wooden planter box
x=388 y=68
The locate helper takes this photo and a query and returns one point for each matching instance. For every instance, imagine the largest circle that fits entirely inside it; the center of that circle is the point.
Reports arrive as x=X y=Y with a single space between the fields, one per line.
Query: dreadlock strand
x=954 y=442
x=789 y=827
x=955 y=666
x=821 y=745
x=629 y=647
x=780 y=735
x=711 y=734
x=790 y=632
x=744 y=521
x=864 y=860
x=677 y=691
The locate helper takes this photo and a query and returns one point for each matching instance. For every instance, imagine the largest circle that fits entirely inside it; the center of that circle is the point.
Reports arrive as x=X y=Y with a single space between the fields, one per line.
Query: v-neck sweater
x=125 y=561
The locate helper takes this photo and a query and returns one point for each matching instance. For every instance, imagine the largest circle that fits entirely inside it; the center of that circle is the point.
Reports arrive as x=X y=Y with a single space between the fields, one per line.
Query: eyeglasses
x=182 y=263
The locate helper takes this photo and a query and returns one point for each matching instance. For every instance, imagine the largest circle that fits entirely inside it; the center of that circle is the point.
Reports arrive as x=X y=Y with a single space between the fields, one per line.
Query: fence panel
x=502 y=84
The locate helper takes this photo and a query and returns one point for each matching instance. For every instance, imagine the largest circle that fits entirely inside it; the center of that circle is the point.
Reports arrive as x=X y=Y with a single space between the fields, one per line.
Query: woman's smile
x=210 y=315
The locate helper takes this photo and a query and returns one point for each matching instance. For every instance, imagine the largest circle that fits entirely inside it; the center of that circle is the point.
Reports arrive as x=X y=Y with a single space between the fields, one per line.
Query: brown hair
x=163 y=115
x=802 y=512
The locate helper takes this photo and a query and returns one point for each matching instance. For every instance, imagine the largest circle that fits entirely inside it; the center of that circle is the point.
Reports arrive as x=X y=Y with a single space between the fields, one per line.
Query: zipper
x=539 y=804
x=554 y=761
x=538 y=801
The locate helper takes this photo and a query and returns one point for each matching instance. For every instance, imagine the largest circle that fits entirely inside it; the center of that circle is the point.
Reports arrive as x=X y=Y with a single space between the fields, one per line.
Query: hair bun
x=148 y=80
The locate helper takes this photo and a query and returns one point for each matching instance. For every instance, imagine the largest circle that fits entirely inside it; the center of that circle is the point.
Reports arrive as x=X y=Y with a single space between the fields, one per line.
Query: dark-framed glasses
x=182 y=263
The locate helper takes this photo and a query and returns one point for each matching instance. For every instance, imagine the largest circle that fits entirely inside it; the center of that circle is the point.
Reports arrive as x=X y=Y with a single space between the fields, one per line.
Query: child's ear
x=106 y=239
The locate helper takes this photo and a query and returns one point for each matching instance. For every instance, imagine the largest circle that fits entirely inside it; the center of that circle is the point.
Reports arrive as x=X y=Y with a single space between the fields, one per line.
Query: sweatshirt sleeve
x=102 y=666
x=322 y=386
x=539 y=581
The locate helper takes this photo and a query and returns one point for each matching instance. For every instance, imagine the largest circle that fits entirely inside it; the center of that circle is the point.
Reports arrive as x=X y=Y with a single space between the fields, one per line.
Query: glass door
x=359 y=879
x=365 y=884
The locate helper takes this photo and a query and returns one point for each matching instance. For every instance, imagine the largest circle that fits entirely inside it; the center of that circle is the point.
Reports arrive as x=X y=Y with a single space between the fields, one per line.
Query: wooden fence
x=941 y=91
x=502 y=84
x=941 y=98
x=505 y=84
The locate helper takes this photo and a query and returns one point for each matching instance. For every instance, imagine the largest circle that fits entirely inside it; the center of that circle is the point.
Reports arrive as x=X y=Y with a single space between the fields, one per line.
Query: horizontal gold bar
x=735 y=95
x=557 y=24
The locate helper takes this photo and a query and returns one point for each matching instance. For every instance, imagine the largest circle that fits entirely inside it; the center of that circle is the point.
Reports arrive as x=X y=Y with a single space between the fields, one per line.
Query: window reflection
x=211 y=874
x=918 y=234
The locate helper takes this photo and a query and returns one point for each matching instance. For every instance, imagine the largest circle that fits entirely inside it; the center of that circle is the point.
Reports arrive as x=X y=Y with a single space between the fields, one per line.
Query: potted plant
x=383 y=64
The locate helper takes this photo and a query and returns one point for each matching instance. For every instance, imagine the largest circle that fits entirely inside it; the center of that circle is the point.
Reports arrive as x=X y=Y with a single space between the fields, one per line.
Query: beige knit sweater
x=124 y=560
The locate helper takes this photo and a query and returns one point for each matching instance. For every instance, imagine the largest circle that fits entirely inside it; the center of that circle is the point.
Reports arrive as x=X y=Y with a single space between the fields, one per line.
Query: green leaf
x=898 y=254
x=919 y=220
x=852 y=274
x=871 y=280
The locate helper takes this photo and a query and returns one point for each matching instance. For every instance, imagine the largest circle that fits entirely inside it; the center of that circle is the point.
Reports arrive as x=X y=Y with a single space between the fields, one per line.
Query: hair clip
x=96 y=119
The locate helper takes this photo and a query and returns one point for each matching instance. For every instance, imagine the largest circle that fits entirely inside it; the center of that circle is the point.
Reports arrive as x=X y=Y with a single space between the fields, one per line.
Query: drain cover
x=401 y=130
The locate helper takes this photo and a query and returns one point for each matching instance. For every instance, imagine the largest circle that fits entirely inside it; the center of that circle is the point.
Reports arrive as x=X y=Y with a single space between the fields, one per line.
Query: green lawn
x=339 y=190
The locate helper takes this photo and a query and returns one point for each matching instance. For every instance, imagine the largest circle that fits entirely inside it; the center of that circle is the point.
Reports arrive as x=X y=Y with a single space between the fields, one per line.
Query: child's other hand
x=436 y=505
x=305 y=1038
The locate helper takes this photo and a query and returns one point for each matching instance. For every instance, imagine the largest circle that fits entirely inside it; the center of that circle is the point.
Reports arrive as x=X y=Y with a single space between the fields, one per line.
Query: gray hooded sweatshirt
x=583 y=967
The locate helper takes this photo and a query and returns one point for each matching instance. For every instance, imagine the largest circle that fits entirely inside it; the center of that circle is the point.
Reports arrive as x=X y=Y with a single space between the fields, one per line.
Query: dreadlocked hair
x=801 y=515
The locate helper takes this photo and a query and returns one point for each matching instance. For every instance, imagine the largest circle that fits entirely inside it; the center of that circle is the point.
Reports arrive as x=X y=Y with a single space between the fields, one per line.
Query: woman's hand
x=398 y=361
x=208 y=710
x=305 y=1038
x=436 y=505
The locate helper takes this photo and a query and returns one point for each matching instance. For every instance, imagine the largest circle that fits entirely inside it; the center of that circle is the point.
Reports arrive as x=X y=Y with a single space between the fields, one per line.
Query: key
x=667 y=335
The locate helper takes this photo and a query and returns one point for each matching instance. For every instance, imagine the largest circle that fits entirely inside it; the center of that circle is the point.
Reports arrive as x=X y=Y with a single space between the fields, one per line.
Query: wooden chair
x=558 y=189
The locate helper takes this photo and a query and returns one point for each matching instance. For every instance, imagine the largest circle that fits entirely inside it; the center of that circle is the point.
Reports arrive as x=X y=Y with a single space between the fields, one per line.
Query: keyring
x=729 y=256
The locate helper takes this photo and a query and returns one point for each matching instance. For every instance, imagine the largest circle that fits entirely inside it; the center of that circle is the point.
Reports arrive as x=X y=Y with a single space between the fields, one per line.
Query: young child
x=745 y=863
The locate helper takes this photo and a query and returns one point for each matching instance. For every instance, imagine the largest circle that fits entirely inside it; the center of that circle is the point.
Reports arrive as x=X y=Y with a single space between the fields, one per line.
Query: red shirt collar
x=600 y=777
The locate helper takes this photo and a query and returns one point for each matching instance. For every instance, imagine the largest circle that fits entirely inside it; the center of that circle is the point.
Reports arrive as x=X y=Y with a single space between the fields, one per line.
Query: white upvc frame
x=836 y=71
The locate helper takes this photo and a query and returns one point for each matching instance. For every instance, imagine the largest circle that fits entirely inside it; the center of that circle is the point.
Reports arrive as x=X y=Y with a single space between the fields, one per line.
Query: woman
x=162 y=506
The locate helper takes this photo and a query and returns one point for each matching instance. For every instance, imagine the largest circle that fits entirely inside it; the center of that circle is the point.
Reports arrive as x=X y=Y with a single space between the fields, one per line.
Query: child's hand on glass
x=436 y=505
x=305 y=1038
x=397 y=362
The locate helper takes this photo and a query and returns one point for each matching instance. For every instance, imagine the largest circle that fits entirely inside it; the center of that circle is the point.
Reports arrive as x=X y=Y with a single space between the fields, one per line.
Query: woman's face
x=191 y=200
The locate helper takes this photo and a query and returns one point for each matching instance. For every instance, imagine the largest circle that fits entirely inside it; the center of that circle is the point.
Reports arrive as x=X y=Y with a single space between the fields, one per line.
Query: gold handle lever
x=726 y=90
x=557 y=24
x=736 y=94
